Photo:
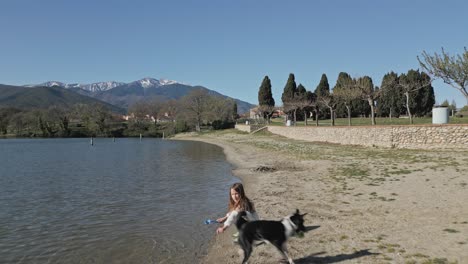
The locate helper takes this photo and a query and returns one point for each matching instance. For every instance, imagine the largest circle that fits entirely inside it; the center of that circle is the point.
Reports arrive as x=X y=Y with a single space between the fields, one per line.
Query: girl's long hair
x=244 y=203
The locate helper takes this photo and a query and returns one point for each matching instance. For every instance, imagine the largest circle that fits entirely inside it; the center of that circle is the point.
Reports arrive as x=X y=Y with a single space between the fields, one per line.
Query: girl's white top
x=233 y=215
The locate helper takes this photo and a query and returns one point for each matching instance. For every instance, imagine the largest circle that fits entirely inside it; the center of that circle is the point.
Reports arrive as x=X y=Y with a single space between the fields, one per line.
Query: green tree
x=322 y=90
x=5 y=118
x=411 y=83
x=346 y=93
x=368 y=93
x=424 y=99
x=391 y=100
x=453 y=70
x=266 y=102
x=306 y=101
x=234 y=110
x=290 y=89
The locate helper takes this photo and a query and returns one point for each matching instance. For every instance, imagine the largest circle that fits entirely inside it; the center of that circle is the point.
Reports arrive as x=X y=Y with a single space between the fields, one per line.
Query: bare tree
x=266 y=111
x=196 y=105
x=410 y=83
x=368 y=93
x=347 y=93
x=452 y=70
x=329 y=101
x=172 y=108
x=291 y=106
x=305 y=102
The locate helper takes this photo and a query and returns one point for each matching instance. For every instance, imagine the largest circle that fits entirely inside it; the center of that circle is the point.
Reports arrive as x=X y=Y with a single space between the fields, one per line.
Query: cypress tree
x=289 y=89
x=391 y=101
x=301 y=90
x=234 y=110
x=425 y=98
x=265 y=97
x=323 y=88
x=343 y=78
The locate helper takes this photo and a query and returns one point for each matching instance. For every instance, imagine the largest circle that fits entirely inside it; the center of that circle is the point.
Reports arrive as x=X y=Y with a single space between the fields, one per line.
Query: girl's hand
x=220 y=220
x=220 y=230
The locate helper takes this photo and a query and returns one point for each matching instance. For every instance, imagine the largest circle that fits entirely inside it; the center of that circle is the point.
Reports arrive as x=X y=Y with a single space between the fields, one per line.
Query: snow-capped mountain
x=125 y=94
x=100 y=86
x=92 y=87
x=105 y=86
x=151 y=82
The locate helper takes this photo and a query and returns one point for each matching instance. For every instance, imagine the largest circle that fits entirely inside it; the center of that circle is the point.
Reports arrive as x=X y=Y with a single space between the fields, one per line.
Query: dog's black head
x=298 y=220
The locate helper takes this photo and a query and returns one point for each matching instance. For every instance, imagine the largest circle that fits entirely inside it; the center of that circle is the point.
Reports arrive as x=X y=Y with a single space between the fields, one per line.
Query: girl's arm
x=222 y=219
x=231 y=218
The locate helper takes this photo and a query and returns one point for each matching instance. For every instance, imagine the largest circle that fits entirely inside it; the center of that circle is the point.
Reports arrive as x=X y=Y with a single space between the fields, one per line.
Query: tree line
x=153 y=118
x=409 y=94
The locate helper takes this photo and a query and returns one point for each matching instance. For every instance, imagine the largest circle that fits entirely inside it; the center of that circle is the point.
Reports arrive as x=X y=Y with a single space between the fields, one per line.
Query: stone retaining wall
x=245 y=128
x=410 y=137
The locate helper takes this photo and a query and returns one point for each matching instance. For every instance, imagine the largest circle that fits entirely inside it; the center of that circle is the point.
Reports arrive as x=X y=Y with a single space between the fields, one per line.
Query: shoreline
x=361 y=209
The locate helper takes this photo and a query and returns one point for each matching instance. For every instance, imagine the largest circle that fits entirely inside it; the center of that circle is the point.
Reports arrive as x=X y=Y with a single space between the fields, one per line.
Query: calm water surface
x=65 y=201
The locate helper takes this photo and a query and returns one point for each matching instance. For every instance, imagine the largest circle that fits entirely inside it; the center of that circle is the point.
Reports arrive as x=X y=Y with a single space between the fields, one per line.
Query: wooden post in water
x=163 y=134
x=113 y=139
x=92 y=143
x=140 y=137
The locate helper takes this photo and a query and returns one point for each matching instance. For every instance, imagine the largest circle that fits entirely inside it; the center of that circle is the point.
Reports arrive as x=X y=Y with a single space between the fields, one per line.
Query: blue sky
x=225 y=45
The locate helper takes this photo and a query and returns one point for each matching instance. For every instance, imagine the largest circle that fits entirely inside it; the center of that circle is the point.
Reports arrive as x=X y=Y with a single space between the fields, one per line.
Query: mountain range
x=44 y=97
x=124 y=94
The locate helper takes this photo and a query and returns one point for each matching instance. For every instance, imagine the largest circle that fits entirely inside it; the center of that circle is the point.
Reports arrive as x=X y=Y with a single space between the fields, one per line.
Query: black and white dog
x=274 y=232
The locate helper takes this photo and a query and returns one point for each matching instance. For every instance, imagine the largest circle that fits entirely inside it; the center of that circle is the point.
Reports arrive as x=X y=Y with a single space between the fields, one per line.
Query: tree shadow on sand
x=333 y=259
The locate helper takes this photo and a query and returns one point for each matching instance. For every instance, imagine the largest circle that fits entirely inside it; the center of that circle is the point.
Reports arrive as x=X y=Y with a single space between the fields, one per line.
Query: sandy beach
x=364 y=205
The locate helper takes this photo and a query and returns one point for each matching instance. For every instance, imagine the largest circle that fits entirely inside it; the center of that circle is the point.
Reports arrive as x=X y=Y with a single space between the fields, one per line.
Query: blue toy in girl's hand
x=209 y=221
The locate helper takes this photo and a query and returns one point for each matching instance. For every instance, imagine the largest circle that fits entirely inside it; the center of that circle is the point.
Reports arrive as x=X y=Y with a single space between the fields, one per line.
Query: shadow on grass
x=333 y=259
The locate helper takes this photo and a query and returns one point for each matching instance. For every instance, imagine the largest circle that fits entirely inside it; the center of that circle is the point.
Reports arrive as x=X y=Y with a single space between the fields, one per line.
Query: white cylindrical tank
x=440 y=115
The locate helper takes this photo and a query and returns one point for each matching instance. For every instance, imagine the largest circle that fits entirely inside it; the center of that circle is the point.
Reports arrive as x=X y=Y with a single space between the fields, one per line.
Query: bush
x=222 y=124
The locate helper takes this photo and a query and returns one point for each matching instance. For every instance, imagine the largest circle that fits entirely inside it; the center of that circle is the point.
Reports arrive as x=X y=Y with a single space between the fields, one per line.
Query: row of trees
x=196 y=109
x=77 y=121
x=408 y=94
x=150 y=118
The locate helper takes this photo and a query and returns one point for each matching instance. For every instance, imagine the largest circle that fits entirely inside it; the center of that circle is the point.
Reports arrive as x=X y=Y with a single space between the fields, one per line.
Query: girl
x=238 y=202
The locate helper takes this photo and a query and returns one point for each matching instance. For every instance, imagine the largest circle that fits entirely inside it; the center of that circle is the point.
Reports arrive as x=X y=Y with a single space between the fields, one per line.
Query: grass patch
x=438 y=261
x=450 y=230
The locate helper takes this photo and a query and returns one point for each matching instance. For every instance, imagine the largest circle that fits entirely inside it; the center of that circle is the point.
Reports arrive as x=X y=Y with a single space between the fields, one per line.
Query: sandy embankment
x=364 y=205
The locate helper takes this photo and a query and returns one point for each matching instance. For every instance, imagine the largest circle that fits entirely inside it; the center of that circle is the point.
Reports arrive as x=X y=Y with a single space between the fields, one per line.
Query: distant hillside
x=44 y=97
x=125 y=94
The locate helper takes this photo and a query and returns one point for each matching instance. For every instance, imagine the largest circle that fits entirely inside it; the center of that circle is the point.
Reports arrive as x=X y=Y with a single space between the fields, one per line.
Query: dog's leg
x=247 y=248
x=285 y=252
x=282 y=249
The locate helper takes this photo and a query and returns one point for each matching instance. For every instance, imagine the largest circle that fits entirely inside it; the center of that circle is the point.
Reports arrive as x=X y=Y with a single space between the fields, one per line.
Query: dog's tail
x=241 y=220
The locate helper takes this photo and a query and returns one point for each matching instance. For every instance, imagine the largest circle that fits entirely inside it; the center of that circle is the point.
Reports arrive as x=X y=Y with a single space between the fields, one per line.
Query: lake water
x=65 y=201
